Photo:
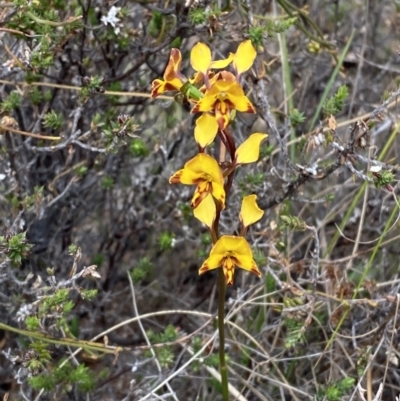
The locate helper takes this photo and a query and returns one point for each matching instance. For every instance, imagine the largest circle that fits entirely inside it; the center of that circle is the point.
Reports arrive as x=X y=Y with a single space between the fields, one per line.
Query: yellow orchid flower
x=249 y=150
x=230 y=251
x=173 y=79
x=244 y=57
x=250 y=213
x=203 y=171
x=201 y=60
x=221 y=99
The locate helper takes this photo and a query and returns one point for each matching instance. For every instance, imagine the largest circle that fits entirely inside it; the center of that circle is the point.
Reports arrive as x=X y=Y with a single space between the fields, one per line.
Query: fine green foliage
x=250 y=182
x=296 y=117
x=164 y=354
x=143 y=270
x=384 y=179
x=32 y=323
x=334 y=104
x=90 y=295
x=266 y=151
x=293 y=222
x=155 y=23
x=198 y=16
x=61 y=378
x=15 y=247
x=206 y=242
x=107 y=182
x=259 y=257
x=294 y=332
x=270 y=29
x=91 y=86
x=11 y=102
x=138 y=148
x=186 y=211
x=335 y=391
x=166 y=241
x=53 y=120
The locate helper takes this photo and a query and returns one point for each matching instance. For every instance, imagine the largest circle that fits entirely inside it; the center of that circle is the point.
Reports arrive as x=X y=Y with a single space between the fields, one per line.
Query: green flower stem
x=221 y=315
x=221 y=332
x=222 y=289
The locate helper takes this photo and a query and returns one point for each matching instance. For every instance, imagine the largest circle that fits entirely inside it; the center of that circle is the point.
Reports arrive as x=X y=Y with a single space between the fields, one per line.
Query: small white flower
x=375 y=169
x=112 y=19
x=24 y=311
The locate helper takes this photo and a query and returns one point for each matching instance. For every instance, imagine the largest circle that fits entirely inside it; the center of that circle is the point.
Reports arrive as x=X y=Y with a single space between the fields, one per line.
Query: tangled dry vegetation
x=322 y=323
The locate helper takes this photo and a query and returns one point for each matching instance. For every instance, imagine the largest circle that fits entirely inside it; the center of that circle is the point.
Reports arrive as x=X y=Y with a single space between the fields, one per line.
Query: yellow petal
x=212 y=262
x=206 y=103
x=200 y=58
x=218 y=64
x=206 y=129
x=236 y=96
x=206 y=211
x=206 y=165
x=244 y=57
x=229 y=245
x=248 y=264
x=250 y=212
x=249 y=150
x=184 y=176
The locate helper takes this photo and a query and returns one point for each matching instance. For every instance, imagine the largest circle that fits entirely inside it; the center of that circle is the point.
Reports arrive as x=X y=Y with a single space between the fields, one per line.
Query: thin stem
x=227 y=145
x=41 y=21
x=4 y=128
x=90 y=345
x=221 y=332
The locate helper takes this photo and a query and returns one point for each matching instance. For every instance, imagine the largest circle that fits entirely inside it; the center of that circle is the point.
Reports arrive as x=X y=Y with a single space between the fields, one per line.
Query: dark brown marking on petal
x=250 y=109
x=155 y=89
x=195 y=109
x=176 y=178
x=169 y=87
x=198 y=197
x=229 y=104
x=235 y=261
x=256 y=271
x=204 y=269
